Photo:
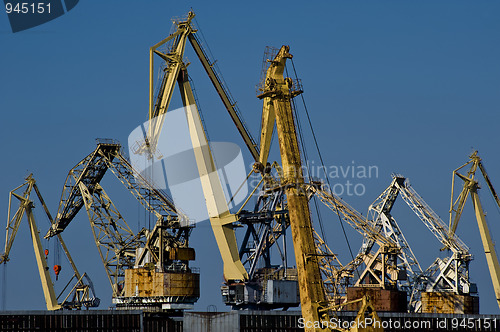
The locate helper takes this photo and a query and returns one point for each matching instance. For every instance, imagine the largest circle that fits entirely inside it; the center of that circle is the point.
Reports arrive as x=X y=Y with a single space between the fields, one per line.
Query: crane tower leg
x=43 y=269
x=489 y=248
x=218 y=211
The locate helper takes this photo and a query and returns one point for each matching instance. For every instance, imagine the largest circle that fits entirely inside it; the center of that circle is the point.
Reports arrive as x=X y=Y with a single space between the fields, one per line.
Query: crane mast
x=82 y=293
x=470 y=188
x=488 y=244
x=278 y=92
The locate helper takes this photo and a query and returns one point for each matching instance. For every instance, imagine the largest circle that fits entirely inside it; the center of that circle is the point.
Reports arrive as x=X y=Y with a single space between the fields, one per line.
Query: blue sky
x=406 y=86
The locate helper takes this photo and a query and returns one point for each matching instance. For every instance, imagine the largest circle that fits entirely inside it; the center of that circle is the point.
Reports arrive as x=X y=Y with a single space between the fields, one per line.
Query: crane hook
x=57 y=269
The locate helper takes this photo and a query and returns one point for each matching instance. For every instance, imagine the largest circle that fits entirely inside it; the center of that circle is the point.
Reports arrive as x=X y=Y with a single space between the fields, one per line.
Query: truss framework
x=116 y=242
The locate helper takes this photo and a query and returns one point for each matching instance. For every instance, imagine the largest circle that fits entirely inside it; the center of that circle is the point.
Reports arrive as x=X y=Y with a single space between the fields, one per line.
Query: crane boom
x=90 y=172
x=174 y=63
x=450 y=274
x=430 y=218
x=379 y=214
x=225 y=96
x=352 y=217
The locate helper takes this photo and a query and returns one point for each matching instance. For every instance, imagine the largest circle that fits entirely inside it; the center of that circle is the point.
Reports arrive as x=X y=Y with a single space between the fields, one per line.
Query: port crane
x=82 y=293
x=248 y=284
x=175 y=71
x=450 y=274
x=132 y=261
x=379 y=215
x=470 y=188
x=277 y=94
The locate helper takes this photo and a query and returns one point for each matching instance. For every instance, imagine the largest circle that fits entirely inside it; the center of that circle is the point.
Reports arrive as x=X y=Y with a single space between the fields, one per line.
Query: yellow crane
x=277 y=93
x=470 y=188
x=143 y=268
x=176 y=72
x=82 y=293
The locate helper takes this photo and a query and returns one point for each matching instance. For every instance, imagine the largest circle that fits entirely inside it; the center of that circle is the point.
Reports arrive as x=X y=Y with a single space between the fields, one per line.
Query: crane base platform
x=152 y=290
x=449 y=303
x=382 y=299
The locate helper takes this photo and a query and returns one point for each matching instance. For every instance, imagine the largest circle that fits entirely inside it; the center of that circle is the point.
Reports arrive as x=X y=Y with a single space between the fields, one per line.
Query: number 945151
x=25 y=8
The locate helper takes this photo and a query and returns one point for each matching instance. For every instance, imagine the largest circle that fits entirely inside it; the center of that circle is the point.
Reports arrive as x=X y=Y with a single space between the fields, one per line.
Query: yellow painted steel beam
x=457 y=206
x=180 y=30
x=489 y=247
x=266 y=129
x=223 y=94
x=26 y=206
x=168 y=86
x=470 y=187
x=220 y=217
x=277 y=89
x=14 y=222
x=43 y=269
